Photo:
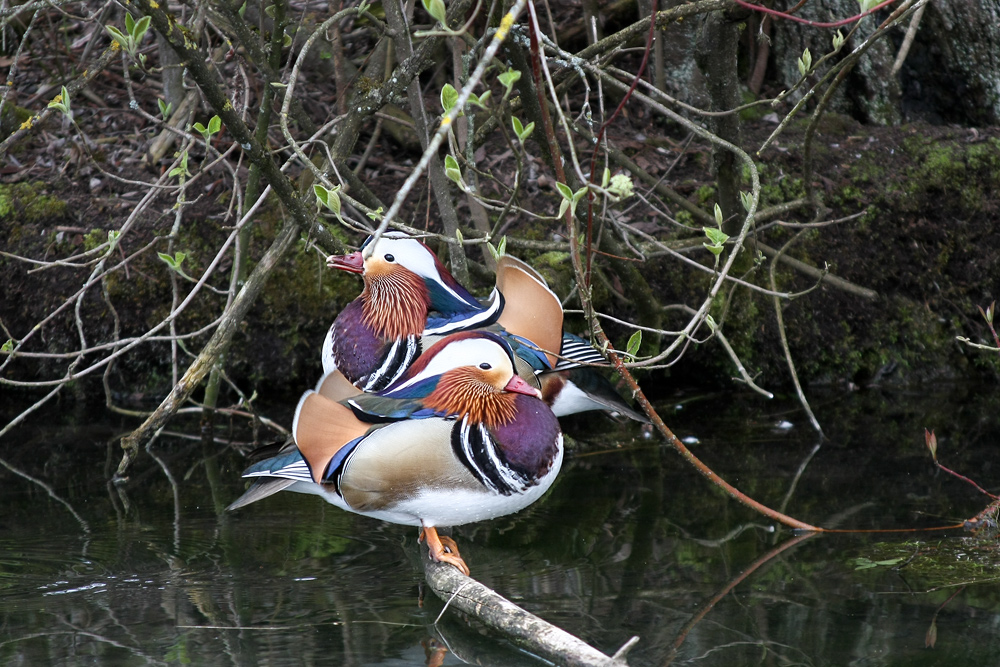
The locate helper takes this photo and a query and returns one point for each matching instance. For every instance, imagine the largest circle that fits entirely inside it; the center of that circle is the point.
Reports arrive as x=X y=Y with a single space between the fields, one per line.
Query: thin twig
x=784 y=339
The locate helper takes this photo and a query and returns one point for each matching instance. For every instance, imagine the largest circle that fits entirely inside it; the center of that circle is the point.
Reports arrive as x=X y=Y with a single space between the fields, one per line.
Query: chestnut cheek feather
x=395 y=302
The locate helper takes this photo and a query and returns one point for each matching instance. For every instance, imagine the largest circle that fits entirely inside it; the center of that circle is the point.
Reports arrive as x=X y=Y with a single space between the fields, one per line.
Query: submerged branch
x=519 y=626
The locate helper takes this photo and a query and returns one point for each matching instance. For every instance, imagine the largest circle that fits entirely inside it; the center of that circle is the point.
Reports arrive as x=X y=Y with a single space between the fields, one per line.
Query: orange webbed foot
x=443 y=549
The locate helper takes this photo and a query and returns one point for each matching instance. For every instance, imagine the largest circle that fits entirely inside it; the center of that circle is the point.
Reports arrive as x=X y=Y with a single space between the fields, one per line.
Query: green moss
x=95 y=238
x=705 y=194
x=754 y=112
x=28 y=202
x=926 y=167
x=867 y=171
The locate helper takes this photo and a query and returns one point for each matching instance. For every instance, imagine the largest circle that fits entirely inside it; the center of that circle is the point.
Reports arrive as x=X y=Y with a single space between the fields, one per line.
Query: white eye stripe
x=466 y=352
x=413 y=256
x=408 y=253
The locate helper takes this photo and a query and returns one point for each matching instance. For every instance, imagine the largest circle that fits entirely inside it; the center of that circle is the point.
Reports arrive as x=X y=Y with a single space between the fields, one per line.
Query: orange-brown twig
x=580 y=271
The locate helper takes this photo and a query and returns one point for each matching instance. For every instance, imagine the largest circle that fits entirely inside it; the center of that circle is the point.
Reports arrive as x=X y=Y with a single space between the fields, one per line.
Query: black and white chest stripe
x=479 y=453
x=400 y=356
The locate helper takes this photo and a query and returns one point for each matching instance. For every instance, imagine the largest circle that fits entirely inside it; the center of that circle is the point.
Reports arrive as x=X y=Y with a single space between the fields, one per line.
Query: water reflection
x=629 y=542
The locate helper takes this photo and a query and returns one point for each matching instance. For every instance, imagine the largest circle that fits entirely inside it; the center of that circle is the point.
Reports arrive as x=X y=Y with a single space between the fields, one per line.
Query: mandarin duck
x=460 y=437
x=409 y=299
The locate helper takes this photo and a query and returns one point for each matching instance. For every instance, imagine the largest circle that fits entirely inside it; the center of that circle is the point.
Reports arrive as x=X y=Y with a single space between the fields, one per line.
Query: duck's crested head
x=395 y=254
x=473 y=377
x=395 y=299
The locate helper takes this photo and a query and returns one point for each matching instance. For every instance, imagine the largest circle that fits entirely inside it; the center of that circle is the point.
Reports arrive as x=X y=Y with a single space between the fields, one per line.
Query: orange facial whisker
x=465 y=392
x=395 y=303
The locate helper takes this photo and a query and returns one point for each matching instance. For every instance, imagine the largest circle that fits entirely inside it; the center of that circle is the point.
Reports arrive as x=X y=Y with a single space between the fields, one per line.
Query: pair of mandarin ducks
x=436 y=409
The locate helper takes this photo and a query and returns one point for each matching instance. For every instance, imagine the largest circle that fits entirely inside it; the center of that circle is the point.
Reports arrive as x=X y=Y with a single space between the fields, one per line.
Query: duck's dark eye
x=485 y=366
x=389 y=258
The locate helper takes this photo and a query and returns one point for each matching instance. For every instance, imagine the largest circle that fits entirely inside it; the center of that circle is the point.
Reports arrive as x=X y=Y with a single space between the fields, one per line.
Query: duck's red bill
x=519 y=386
x=353 y=263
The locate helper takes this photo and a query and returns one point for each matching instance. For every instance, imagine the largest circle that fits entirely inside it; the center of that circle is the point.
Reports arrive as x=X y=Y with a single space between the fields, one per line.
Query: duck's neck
x=395 y=305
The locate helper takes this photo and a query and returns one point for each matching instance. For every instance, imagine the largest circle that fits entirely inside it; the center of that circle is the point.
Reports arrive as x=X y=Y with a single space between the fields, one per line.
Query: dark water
x=631 y=541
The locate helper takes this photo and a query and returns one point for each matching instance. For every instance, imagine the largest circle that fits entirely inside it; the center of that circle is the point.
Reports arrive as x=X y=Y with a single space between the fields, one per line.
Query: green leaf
x=838 y=40
x=476 y=100
x=718 y=215
x=482 y=99
x=863 y=563
x=805 y=61
x=509 y=78
x=528 y=129
x=62 y=103
x=173 y=262
x=139 y=31
x=322 y=194
x=119 y=37
x=181 y=170
x=436 y=9
x=747 y=199
x=563 y=206
x=516 y=124
x=605 y=177
x=452 y=170
x=376 y=214
x=129 y=23
x=716 y=235
x=165 y=108
x=564 y=190
x=270 y=10
x=499 y=251
x=8 y=346
x=579 y=194
x=286 y=40
x=891 y=561
x=113 y=235
x=199 y=128
x=328 y=197
x=449 y=96
x=634 y=341
x=214 y=125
